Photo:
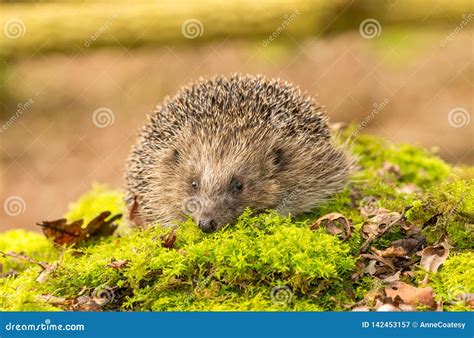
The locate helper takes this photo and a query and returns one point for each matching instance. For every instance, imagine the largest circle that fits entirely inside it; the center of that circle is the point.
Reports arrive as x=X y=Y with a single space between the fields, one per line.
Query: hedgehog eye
x=236 y=187
x=195 y=184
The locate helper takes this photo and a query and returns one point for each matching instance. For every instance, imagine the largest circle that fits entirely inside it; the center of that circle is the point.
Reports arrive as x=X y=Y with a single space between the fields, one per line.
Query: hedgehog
x=222 y=145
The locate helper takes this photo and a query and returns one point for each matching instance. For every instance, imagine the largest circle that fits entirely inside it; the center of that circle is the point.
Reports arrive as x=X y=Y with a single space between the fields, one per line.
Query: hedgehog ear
x=175 y=155
x=278 y=158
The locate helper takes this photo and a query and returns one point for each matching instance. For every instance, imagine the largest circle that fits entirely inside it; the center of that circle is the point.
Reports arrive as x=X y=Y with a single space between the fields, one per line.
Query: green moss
x=449 y=207
x=20 y=294
x=235 y=267
x=33 y=244
x=265 y=261
x=417 y=165
x=454 y=283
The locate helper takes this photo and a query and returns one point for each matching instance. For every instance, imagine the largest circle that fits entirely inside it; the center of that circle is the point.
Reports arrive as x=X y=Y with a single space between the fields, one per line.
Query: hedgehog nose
x=207 y=225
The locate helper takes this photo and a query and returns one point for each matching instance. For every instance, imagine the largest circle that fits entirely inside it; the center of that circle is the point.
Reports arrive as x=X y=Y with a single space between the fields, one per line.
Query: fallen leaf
x=118 y=264
x=393 y=278
x=134 y=214
x=390 y=252
x=370 y=269
x=335 y=224
x=410 y=228
x=378 y=224
x=382 y=260
x=168 y=240
x=101 y=227
x=433 y=256
x=63 y=233
x=410 y=294
x=410 y=244
x=85 y=303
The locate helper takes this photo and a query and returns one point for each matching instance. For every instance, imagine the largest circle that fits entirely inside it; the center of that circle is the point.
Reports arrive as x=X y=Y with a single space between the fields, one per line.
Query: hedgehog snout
x=207 y=225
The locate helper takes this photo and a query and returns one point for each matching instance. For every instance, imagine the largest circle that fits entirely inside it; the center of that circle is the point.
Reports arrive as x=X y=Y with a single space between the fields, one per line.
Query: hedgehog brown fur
x=223 y=144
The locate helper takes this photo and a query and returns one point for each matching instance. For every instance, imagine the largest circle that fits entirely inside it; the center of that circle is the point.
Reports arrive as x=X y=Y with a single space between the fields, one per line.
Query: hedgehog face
x=220 y=182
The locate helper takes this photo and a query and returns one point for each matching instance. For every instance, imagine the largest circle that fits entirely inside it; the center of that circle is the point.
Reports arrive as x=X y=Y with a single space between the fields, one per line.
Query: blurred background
x=77 y=78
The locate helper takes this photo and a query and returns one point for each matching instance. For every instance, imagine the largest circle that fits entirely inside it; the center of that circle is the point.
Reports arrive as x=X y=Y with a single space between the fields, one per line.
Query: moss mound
x=264 y=262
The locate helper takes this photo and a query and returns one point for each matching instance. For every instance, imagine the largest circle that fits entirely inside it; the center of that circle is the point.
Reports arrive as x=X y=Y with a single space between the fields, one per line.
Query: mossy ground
x=264 y=262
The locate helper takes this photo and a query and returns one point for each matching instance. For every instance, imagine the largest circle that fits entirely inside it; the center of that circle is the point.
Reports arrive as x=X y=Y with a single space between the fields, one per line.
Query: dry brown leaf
x=382 y=260
x=390 y=252
x=393 y=278
x=410 y=294
x=433 y=256
x=134 y=215
x=86 y=303
x=168 y=240
x=118 y=264
x=410 y=244
x=371 y=269
x=378 y=224
x=63 y=233
x=335 y=224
